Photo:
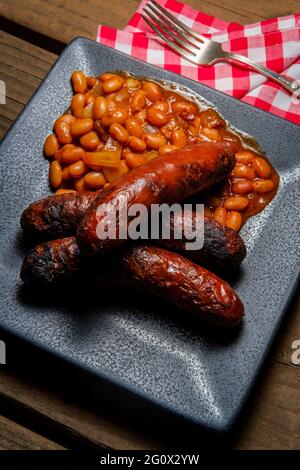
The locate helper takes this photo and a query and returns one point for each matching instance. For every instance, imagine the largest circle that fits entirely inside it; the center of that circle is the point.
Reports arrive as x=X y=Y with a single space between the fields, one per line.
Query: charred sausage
x=223 y=248
x=167 y=179
x=56 y=216
x=147 y=268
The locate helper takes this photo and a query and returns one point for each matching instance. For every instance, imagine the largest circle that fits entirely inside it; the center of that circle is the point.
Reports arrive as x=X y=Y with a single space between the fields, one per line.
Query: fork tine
x=186 y=28
x=173 y=26
x=179 y=40
x=183 y=52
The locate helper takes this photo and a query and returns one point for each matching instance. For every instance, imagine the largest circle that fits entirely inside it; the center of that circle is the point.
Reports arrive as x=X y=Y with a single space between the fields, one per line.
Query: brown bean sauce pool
x=117 y=122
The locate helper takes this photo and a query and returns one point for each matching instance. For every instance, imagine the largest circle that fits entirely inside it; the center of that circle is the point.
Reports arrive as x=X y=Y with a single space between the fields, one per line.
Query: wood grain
x=272 y=416
x=13 y=436
x=23 y=67
x=65 y=20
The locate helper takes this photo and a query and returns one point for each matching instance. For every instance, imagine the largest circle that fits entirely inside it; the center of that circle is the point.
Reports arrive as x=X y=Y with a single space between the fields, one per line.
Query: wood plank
x=23 y=66
x=13 y=436
x=87 y=427
x=62 y=21
x=272 y=417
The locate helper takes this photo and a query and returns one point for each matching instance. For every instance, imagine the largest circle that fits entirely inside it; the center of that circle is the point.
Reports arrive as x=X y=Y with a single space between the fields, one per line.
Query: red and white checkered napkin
x=274 y=43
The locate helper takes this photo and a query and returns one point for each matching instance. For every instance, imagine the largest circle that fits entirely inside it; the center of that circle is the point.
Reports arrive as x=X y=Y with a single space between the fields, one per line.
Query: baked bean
x=79 y=82
x=119 y=133
x=245 y=157
x=236 y=203
x=100 y=107
x=94 y=180
x=106 y=76
x=155 y=141
x=179 y=138
x=134 y=161
x=185 y=109
x=72 y=155
x=69 y=118
x=51 y=145
x=79 y=185
x=55 y=174
x=122 y=97
x=234 y=220
x=91 y=82
x=58 y=155
x=138 y=101
x=210 y=118
x=243 y=171
x=261 y=167
x=211 y=134
x=156 y=117
x=78 y=169
x=62 y=131
x=167 y=148
x=242 y=187
x=81 y=126
x=153 y=91
x=65 y=174
x=78 y=104
x=137 y=144
x=133 y=83
x=89 y=141
x=263 y=186
x=63 y=191
x=220 y=215
x=134 y=128
x=118 y=115
x=113 y=84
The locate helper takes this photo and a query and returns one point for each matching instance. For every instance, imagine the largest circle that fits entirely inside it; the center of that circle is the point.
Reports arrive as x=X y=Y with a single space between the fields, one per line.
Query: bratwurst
x=147 y=268
x=169 y=179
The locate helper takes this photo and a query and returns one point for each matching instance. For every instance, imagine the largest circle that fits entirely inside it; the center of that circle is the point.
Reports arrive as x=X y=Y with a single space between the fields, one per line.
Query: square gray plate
x=138 y=345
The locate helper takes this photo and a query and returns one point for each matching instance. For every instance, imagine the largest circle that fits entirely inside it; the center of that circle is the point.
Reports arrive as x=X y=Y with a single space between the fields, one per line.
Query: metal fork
x=200 y=50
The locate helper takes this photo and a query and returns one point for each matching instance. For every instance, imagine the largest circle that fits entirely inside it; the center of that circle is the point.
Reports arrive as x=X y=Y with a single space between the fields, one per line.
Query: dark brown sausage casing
x=223 y=249
x=56 y=216
x=167 y=179
x=147 y=268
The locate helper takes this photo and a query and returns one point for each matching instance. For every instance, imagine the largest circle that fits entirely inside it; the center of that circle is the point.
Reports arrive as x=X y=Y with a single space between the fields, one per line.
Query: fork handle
x=289 y=84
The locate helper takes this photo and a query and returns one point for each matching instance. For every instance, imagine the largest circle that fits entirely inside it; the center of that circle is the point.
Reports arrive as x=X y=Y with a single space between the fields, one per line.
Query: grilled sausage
x=146 y=268
x=167 y=179
x=56 y=216
x=223 y=248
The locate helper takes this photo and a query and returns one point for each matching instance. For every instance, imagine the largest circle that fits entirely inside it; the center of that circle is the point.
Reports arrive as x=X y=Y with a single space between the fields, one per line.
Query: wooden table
x=38 y=415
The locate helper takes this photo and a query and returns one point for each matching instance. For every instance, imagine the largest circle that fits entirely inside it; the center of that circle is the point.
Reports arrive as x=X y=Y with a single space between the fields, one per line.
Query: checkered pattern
x=274 y=43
